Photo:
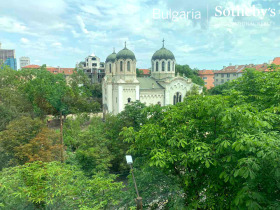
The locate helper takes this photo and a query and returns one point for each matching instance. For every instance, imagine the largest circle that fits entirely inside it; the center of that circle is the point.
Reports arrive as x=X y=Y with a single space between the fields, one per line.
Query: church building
x=120 y=86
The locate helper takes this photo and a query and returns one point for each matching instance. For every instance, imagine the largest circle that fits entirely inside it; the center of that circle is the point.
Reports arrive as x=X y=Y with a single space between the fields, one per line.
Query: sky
x=64 y=32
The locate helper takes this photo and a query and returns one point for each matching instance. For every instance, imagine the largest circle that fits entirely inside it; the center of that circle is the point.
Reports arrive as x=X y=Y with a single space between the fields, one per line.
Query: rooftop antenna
x=125 y=45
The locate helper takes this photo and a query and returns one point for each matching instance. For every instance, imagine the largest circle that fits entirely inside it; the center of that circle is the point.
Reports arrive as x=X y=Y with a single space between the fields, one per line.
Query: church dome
x=111 y=57
x=125 y=54
x=163 y=53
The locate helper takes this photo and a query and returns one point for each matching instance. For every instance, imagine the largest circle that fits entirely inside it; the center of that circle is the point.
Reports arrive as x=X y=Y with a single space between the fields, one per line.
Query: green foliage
x=223 y=156
x=54 y=185
x=185 y=70
x=25 y=140
x=133 y=114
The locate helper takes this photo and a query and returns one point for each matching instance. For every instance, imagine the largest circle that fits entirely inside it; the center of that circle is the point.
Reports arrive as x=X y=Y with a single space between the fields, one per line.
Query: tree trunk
x=61 y=137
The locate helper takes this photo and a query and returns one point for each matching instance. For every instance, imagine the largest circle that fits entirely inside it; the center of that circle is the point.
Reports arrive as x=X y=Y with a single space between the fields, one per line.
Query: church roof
x=111 y=57
x=163 y=53
x=125 y=54
x=148 y=83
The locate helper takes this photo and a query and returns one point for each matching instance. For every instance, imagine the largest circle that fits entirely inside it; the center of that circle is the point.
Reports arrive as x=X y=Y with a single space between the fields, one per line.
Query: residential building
x=121 y=85
x=8 y=57
x=208 y=77
x=24 y=61
x=93 y=67
x=231 y=72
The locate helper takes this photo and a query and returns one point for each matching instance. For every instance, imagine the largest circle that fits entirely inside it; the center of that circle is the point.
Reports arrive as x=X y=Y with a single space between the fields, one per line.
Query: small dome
x=111 y=57
x=126 y=54
x=163 y=53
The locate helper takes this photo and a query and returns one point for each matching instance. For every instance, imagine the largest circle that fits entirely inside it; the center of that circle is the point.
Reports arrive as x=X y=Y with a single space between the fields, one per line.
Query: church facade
x=120 y=86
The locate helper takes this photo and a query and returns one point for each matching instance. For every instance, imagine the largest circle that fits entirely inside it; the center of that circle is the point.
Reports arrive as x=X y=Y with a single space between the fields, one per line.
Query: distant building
x=8 y=57
x=144 y=73
x=93 y=68
x=208 y=78
x=24 y=61
x=55 y=70
x=231 y=72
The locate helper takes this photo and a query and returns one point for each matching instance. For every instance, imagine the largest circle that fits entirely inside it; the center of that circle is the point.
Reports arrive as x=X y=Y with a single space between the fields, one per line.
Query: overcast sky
x=63 y=32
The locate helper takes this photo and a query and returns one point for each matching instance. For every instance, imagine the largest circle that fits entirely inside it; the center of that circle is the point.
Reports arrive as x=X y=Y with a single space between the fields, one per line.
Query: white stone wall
x=152 y=96
x=160 y=74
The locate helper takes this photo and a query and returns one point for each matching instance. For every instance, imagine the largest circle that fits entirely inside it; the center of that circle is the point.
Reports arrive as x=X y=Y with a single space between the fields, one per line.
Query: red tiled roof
x=276 y=61
x=54 y=70
x=145 y=71
x=31 y=67
x=203 y=72
x=66 y=71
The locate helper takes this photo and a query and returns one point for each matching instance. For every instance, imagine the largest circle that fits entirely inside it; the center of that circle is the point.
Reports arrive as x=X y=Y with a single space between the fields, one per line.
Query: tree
x=223 y=155
x=185 y=70
x=54 y=185
x=26 y=140
x=50 y=94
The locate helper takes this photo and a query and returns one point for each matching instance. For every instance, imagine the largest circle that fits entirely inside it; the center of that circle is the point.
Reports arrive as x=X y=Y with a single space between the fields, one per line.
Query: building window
x=110 y=68
x=129 y=100
x=168 y=65
x=121 y=65
x=228 y=75
x=234 y=75
x=205 y=83
x=156 y=66
x=177 y=98
x=227 y=79
x=204 y=77
x=222 y=75
x=159 y=103
x=93 y=59
x=128 y=65
x=217 y=80
x=163 y=65
x=222 y=81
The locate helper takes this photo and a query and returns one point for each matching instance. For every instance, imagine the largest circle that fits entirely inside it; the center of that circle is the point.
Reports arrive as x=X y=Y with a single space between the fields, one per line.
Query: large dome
x=111 y=57
x=125 y=54
x=163 y=53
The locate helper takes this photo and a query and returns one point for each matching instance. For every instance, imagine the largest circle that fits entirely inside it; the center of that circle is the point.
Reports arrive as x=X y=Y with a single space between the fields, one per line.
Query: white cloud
x=24 y=40
x=82 y=24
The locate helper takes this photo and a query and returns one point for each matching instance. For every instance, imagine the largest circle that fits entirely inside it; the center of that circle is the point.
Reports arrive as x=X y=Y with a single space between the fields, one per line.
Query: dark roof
x=163 y=53
x=125 y=54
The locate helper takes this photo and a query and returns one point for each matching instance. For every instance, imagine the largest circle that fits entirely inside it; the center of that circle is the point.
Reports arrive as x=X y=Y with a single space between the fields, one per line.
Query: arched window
x=110 y=68
x=168 y=65
x=128 y=65
x=173 y=66
x=177 y=98
x=128 y=100
x=121 y=65
x=156 y=66
x=163 y=65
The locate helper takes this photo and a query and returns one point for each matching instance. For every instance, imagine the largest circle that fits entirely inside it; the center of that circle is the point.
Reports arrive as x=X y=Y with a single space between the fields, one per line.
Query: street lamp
x=138 y=199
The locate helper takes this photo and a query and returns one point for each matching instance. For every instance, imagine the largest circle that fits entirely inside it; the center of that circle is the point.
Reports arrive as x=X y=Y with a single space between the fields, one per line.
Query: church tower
x=163 y=64
x=120 y=85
